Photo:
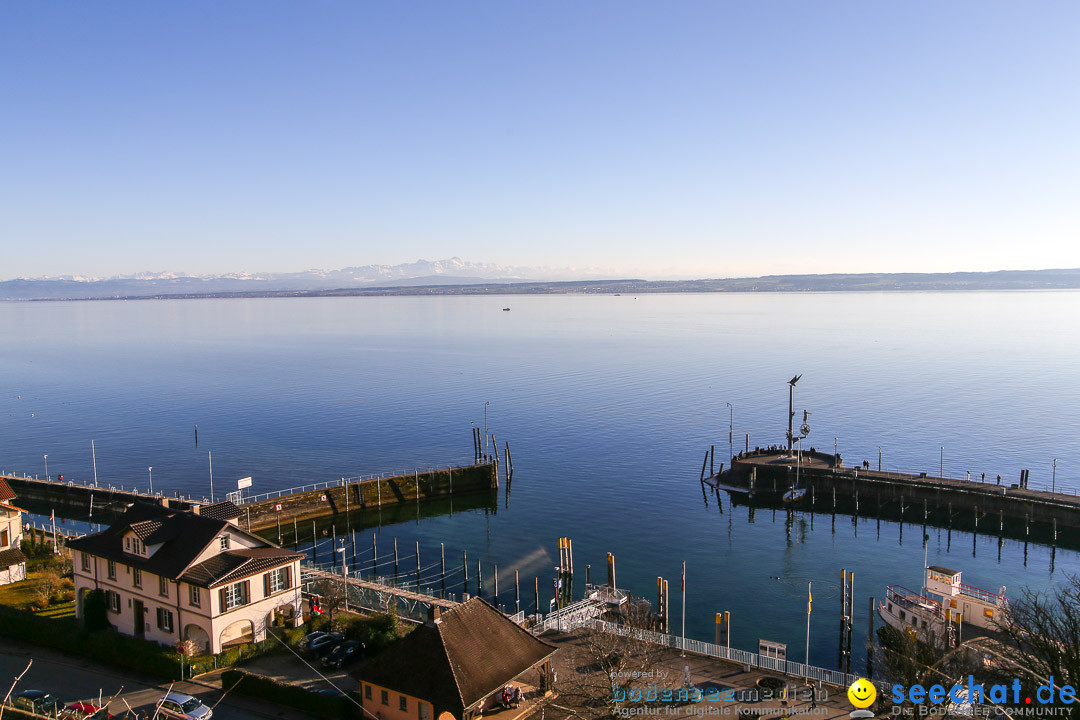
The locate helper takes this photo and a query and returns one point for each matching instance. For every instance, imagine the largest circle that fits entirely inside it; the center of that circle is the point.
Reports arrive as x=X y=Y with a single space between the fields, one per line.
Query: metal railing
x=576 y=614
x=340 y=482
x=786 y=667
x=978 y=593
x=607 y=594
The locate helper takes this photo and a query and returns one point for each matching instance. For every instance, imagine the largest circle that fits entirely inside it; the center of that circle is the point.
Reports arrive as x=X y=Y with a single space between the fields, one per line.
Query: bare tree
x=607 y=674
x=909 y=658
x=1043 y=632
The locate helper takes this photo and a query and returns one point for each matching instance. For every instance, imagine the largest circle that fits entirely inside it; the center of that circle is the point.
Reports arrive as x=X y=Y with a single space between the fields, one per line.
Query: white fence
x=742 y=657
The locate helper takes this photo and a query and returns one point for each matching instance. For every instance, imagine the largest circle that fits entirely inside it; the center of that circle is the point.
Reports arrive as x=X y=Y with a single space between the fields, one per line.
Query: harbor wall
x=912 y=496
x=367 y=494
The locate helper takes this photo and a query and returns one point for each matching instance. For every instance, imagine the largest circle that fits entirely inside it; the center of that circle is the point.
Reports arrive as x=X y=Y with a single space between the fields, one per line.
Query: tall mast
x=791 y=412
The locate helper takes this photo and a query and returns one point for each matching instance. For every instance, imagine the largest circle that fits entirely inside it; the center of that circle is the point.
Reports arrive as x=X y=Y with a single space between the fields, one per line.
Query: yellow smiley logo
x=862 y=693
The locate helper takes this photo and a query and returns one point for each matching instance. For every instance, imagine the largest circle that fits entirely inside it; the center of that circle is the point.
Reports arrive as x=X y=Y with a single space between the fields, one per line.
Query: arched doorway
x=240 y=632
x=283 y=615
x=198 y=636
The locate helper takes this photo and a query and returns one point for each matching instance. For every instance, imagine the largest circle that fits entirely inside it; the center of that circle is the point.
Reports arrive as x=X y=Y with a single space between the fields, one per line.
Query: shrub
x=95 y=615
x=377 y=631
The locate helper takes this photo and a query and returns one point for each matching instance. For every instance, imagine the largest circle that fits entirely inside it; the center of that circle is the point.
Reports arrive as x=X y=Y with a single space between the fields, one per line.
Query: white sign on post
x=243 y=483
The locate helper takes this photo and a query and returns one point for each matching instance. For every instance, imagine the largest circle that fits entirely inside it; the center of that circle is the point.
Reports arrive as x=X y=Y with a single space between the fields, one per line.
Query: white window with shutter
x=234 y=596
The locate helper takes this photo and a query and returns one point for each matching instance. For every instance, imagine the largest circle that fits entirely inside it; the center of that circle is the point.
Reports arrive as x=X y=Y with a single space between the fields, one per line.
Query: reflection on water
x=607 y=403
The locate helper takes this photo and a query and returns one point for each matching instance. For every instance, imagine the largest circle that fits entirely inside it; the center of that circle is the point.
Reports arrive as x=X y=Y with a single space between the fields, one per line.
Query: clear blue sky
x=686 y=138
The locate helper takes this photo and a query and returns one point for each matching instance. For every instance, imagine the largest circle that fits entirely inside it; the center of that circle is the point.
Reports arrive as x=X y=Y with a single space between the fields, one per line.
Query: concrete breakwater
x=828 y=485
x=72 y=499
x=349 y=497
x=75 y=500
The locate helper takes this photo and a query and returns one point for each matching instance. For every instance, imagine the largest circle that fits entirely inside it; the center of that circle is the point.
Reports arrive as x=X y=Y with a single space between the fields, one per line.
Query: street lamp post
x=151 y=471
x=1053 y=478
x=344 y=582
x=941 y=463
x=47 y=466
x=730 y=429
x=879 y=458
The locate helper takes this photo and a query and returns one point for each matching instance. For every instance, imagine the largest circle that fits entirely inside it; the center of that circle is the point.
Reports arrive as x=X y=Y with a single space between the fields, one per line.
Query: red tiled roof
x=6 y=493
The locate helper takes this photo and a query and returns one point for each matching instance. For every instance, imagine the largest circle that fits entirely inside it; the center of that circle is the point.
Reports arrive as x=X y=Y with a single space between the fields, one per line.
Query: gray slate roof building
x=457 y=660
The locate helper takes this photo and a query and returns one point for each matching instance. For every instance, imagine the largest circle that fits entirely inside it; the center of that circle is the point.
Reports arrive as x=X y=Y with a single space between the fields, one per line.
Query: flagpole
x=809 y=602
x=210 y=455
x=56 y=549
x=684 y=609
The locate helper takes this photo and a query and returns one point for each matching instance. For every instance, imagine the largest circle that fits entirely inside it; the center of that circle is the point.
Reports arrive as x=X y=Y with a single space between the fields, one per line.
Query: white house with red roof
x=12 y=561
x=169 y=575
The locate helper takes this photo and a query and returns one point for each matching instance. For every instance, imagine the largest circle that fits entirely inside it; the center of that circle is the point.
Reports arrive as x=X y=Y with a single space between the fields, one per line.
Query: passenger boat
x=941 y=611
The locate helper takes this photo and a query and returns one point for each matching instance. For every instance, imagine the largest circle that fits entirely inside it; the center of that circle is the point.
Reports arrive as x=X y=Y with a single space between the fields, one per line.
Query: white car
x=186 y=707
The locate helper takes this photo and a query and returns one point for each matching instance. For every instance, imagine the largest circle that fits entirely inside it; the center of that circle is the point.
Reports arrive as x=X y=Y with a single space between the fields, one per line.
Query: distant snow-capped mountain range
x=141 y=284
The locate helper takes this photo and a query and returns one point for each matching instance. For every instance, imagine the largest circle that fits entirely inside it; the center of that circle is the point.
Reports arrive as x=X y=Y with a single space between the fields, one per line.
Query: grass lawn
x=59 y=610
x=18 y=595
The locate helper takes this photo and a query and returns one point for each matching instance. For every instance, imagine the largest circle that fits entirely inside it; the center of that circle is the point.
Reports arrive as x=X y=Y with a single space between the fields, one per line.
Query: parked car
x=343 y=654
x=185 y=707
x=319 y=646
x=305 y=642
x=86 y=711
x=37 y=701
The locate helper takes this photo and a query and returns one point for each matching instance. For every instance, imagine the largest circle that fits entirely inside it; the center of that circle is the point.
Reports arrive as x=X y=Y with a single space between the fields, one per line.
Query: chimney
x=433 y=614
x=195 y=509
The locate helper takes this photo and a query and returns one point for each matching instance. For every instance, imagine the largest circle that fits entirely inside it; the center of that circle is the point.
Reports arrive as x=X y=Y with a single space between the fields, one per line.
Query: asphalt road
x=76 y=678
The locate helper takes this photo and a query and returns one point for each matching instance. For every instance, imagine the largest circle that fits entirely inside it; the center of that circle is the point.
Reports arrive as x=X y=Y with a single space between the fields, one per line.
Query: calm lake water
x=608 y=402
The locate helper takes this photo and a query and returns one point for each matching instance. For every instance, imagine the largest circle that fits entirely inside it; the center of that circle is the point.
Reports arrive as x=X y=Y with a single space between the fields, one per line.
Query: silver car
x=186 y=707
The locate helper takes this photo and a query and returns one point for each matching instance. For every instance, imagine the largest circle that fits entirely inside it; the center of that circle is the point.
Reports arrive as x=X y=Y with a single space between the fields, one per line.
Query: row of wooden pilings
x=479 y=454
x=723 y=619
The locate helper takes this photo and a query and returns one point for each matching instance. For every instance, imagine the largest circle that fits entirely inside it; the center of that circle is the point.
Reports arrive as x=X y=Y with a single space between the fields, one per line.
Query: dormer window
x=136 y=546
x=224 y=542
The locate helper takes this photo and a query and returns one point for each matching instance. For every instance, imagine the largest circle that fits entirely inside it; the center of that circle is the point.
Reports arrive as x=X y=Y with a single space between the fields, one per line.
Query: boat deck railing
x=983 y=595
x=911 y=600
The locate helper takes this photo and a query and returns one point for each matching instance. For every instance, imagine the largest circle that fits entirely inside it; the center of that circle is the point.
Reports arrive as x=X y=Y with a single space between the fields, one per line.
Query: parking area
x=306 y=673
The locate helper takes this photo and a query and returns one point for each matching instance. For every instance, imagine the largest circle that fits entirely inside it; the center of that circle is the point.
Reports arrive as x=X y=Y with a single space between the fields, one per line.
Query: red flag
x=52 y=515
x=684 y=576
